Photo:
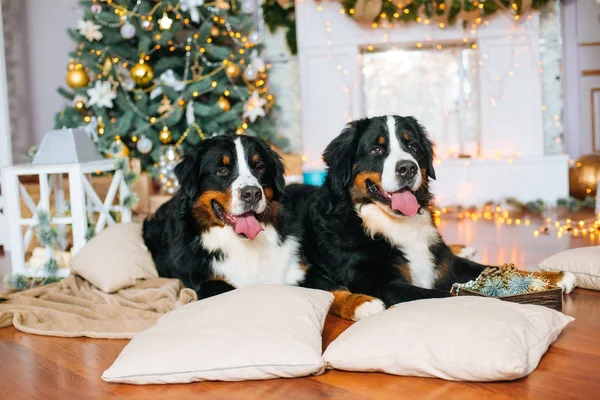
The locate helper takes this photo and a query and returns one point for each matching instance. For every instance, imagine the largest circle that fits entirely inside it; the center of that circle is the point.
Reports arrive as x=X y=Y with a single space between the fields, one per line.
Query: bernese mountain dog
x=226 y=227
x=367 y=234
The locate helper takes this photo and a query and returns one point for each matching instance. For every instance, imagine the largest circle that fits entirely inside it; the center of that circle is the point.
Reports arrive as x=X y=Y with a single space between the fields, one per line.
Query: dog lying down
x=366 y=235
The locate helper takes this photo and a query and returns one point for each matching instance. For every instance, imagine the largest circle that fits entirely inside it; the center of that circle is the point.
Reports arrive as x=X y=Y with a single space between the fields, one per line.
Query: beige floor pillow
x=460 y=338
x=257 y=332
x=583 y=262
x=115 y=258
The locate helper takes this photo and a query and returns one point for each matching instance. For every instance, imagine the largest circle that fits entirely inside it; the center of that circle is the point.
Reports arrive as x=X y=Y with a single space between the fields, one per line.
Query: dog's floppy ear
x=187 y=171
x=426 y=144
x=274 y=164
x=340 y=154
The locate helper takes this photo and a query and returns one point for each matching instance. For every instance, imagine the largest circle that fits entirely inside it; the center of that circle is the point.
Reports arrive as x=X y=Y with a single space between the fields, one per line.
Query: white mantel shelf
x=474 y=182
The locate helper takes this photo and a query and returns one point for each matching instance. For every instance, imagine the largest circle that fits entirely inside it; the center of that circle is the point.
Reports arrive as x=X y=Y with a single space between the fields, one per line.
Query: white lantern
x=62 y=152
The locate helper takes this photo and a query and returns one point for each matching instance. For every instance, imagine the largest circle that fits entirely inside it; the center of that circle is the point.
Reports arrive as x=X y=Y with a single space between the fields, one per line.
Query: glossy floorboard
x=36 y=367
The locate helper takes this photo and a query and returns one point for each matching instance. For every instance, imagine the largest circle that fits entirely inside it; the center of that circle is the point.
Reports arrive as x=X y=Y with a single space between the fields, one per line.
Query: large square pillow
x=584 y=263
x=257 y=332
x=460 y=338
x=115 y=258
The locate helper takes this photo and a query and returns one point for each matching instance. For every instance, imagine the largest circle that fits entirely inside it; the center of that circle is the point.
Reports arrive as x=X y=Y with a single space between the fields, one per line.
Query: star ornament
x=102 y=94
x=165 y=22
x=254 y=107
x=89 y=30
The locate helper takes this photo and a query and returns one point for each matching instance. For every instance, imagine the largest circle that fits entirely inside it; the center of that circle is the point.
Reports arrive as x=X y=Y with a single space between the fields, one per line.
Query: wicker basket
x=551 y=298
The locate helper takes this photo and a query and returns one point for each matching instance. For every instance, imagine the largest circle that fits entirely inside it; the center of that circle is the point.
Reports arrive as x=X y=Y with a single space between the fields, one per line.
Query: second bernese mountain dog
x=367 y=234
x=226 y=227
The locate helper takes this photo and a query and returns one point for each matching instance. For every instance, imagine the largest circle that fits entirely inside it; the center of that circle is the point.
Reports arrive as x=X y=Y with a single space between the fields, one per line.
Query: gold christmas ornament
x=584 y=175
x=141 y=73
x=76 y=76
x=214 y=31
x=365 y=11
x=165 y=136
x=79 y=105
x=224 y=104
x=100 y=127
x=232 y=71
x=107 y=67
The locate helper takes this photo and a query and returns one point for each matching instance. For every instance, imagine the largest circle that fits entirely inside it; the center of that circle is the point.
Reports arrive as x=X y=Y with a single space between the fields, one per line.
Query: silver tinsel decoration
x=168 y=158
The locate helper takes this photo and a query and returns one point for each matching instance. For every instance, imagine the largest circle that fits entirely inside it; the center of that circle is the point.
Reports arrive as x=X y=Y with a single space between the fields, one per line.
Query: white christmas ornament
x=192 y=7
x=144 y=145
x=96 y=8
x=250 y=73
x=102 y=94
x=89 y=30
x=254 y=107
x=248 y=6
x=127 y=31
x=169 y=79
x=254 y=37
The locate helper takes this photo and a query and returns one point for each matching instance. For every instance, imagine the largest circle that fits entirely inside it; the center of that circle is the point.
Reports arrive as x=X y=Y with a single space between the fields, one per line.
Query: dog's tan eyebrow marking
x=381 y=140
x=405 y=136
x=255 y=158
x=225 y=160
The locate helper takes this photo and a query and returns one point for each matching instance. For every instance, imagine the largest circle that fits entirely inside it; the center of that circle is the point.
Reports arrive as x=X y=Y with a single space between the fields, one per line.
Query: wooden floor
x=35 y=367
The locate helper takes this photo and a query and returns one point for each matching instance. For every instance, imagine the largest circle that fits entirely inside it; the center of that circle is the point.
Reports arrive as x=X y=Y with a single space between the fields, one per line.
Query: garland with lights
x=166 y=72
x=377 y=11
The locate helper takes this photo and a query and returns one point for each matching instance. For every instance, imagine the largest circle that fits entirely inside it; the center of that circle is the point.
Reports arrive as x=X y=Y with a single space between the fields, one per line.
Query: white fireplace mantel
x=329 y=48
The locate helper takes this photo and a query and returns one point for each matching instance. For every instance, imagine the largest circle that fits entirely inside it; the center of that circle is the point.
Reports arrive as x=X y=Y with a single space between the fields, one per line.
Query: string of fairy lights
x=588 y=227
x=110 y=62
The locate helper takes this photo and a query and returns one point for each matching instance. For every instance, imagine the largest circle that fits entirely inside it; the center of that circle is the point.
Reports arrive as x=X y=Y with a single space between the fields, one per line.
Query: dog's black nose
x=251 y=194
x=406 y=169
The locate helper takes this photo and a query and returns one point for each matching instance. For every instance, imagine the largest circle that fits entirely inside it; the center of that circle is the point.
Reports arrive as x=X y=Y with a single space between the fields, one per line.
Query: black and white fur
x=192 y=237
x=353 y=243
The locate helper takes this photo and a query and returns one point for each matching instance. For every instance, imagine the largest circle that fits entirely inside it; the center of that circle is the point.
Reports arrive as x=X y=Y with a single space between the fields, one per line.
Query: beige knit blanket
x=73 y=307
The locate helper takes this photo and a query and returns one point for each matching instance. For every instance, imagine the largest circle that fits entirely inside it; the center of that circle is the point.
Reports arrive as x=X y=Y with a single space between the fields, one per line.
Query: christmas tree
x=149 y=73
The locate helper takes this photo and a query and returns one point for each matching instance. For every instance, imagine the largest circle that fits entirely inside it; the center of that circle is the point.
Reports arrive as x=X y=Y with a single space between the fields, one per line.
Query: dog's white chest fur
x=412 y=236
x=253 y=262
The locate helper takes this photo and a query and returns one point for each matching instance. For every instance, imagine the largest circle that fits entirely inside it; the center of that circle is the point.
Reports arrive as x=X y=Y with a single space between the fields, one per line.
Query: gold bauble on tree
x=214 y=31
x=224 y=104
x=232 y=71
x=79 y=105
x=365 y=11
x=165 y=136
x=141 y=73
x=584 y=175
x=76 y=76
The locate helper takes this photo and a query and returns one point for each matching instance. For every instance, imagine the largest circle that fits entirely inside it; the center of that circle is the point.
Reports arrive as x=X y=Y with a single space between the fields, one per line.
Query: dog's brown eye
x=376 y=151
x=259 y=169
x=413 y=146
x=222 y=171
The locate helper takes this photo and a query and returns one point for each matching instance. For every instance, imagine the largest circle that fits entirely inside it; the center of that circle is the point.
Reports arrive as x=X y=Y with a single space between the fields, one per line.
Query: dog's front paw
x=567 y=283
x=368 y=308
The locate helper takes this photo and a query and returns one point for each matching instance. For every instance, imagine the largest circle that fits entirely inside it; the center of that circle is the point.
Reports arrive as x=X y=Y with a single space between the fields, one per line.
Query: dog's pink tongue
x=248 y=225
x=405 y=202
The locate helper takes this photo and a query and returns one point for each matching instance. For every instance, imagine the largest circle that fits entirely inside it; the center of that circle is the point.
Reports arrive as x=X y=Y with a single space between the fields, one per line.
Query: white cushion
x=257 y=332
x=459 y=338
x=584 y=263
x=115 y=258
